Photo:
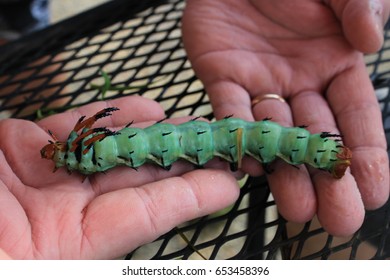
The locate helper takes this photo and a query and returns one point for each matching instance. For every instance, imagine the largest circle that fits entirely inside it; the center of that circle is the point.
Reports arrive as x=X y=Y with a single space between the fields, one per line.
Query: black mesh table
x=138 y=43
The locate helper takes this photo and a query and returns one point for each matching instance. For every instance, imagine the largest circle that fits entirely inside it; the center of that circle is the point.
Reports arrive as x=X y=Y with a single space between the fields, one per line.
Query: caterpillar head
x=343 y=162
x=50 y=150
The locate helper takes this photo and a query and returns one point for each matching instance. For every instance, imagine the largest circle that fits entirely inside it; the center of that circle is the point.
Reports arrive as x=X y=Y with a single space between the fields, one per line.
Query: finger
x=290 y=186
x=132 y=108
x=340 y=207
x=229 y=98
x=118 y=222
x=362 y=21
x=356 y=108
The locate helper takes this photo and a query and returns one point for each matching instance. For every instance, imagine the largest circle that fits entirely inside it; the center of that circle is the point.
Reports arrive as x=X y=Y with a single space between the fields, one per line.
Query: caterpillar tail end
x=344 y=161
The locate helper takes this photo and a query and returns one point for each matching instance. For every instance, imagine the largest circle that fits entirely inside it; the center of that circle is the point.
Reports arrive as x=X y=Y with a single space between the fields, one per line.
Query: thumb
x=362 y=21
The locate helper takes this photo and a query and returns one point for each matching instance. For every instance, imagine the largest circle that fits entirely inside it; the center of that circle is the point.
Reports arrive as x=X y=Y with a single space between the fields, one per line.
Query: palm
x=262 y=49
x=244 y=49
x=50 y=216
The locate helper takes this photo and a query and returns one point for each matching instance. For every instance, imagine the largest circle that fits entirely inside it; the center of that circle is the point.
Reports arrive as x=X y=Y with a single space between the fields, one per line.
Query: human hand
x=57 y=216
x=309 y=52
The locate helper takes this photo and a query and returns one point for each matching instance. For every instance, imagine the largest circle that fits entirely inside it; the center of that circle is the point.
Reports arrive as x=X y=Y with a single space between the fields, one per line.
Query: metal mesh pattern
x=138 y=43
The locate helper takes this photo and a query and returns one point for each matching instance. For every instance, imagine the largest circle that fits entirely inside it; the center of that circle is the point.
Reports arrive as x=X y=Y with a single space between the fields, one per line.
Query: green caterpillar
x=98 y=149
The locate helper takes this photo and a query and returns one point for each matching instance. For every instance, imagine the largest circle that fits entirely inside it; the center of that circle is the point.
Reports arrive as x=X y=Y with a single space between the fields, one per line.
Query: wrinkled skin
x=310 y=52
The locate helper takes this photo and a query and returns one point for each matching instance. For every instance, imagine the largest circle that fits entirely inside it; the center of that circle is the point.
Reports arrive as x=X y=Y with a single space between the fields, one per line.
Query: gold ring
x=258 y=99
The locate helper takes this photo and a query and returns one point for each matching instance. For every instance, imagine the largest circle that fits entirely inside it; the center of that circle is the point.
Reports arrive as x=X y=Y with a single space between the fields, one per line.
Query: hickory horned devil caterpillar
x=98 y=149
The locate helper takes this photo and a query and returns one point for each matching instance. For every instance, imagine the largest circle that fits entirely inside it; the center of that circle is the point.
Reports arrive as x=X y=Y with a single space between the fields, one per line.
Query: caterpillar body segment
x=90 y=150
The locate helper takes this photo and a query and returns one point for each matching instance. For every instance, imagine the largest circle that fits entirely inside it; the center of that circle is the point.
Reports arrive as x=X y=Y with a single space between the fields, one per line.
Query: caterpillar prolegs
x=89 y=150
